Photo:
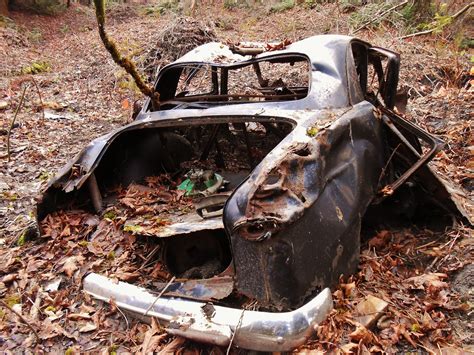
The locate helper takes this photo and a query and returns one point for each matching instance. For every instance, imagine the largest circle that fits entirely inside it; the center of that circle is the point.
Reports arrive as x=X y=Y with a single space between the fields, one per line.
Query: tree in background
x=4 y=7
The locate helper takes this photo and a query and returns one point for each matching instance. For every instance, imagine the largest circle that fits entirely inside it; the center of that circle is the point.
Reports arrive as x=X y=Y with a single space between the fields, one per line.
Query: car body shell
x=294 y=223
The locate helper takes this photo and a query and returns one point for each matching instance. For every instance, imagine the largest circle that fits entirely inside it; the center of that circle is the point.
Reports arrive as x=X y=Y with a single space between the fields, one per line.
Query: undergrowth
x=283 y=5
x=36 y=67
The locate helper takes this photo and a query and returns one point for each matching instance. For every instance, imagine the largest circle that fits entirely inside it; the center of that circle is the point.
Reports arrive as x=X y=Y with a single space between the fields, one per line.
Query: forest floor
x=426 y=277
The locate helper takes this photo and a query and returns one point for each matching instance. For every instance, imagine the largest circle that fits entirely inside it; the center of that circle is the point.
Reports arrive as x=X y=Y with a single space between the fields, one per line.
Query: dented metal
x=254 y=330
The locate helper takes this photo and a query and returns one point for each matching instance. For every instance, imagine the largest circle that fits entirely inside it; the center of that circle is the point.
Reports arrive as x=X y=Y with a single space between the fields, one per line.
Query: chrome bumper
x=262 y=331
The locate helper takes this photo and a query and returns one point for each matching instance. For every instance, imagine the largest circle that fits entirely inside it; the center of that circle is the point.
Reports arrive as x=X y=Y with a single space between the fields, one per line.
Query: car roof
x=315 y=48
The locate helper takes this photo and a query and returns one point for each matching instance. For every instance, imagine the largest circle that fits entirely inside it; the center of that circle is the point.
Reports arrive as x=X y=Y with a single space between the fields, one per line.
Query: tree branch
x=380 y=16
x=453 y=17
x=22 y=319
x=124 y=62
x=13 y=122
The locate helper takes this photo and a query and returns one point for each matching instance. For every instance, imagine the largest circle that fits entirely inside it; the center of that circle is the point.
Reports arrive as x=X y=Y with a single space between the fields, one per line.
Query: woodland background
x=59 y=89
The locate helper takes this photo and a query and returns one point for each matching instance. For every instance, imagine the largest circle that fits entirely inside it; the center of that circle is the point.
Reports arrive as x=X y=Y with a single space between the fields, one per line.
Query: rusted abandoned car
x=280 y=154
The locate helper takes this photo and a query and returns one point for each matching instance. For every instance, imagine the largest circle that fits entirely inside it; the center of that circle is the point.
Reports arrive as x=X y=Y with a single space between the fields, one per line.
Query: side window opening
x=377 y=70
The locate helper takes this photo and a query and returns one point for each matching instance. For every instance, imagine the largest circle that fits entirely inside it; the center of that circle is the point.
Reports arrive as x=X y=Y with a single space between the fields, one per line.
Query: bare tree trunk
x=4 y=8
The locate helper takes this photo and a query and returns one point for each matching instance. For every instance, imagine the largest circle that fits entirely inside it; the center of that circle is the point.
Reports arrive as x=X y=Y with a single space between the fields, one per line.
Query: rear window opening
x=199 y=85
x=232 y=149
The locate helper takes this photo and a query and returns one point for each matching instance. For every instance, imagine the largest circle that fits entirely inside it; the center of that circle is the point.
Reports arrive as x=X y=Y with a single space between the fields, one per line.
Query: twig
x=239 y=324
x=22 y=319
x=148 y=258
x=160 y=294
x=13 y=121
x=455 y=16
x=124 y=317
x=403 y=3
x=39 y=95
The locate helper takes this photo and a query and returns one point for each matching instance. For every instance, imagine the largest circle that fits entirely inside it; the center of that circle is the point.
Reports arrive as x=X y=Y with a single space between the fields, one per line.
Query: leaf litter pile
x=406 y=270
x=413 y=289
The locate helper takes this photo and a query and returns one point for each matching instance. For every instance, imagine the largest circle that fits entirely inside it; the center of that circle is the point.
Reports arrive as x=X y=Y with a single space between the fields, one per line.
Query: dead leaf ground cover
x=420 y=274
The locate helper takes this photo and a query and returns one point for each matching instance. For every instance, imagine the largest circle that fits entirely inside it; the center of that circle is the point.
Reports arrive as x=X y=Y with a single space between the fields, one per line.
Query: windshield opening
x=200 y=85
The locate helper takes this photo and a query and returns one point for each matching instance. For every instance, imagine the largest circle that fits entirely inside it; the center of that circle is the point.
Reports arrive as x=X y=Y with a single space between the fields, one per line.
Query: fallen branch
x=454 y=17
x=13 y=122
x=22 y=319
x=39 y=95
x=160 y=294
x=380 y=16
x=122 y=61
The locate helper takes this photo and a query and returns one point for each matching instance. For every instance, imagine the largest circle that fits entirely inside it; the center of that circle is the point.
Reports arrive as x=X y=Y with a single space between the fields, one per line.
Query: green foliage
x=162 y=7
x=110 y=215
x=41 y=66
x=12 y=300
x=466 y=43
x=65 y=29
x=42 y=7
x=113 y=349
x=45 y=176
x=111 y=255
x=10 y=196
x=418 y=11
x=225 y=23
x=440 y=21
x=283 y=5
x=6 y=21
x=132 y=228
x=83 y=243
x=371 y=11
x=230 y=4
x=35 y=35
x=312 y=131
x=21 y=240
x=310 y=4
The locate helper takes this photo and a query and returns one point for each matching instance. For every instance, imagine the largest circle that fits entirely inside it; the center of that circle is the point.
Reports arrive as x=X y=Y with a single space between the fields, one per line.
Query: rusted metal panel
x=324 y=183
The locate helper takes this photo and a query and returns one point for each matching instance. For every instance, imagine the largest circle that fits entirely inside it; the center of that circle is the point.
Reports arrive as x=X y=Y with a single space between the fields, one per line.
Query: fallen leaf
x=362 y=334
x=380 y=240
x=127 y=276
x=125 y=104
x=78 y=316
x=9 y=278
x=89 y=327
x=431 y=281
x=70 y=265
x=347 y=348
x=3 y=105
x=369 y=310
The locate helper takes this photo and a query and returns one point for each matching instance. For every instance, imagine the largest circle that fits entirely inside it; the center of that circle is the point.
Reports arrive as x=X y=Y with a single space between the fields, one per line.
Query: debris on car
x=255 y=177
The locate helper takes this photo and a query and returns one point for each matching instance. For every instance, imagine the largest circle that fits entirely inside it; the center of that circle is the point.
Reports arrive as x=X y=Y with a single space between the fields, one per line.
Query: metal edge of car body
x=329 y=75
x=199 y=321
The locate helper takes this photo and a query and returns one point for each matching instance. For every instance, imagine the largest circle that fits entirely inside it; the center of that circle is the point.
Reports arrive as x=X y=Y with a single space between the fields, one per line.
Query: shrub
x=36 y=67
x=283 y=6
